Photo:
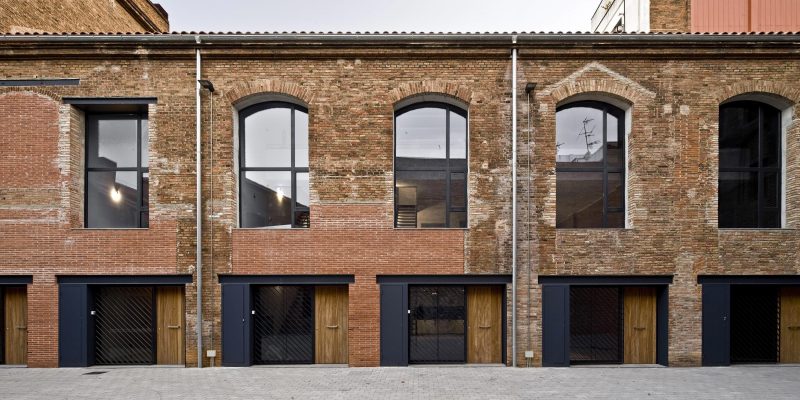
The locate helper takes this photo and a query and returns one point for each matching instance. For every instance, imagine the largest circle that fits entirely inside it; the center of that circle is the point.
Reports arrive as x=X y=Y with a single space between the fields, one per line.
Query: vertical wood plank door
x=639 y=339
x=790 y=325
x=330 y=305
x=484 y=324
x=170 y=325
x=16 y=326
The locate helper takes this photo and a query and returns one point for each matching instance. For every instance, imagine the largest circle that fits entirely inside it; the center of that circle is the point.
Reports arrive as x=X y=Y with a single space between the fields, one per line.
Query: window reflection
x=274 y=188
x=590 y=160
x=430 y=167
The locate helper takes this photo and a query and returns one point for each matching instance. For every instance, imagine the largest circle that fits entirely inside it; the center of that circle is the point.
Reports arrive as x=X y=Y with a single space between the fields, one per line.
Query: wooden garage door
x=330 y=304
x=170 y=335
x=16 y=326
x=640 y=325
x=790 y=325
x=484 y=324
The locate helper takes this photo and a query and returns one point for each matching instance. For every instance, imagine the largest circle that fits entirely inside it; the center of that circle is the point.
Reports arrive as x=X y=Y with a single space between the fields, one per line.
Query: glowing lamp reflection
x=280 y=194
x=116 y=196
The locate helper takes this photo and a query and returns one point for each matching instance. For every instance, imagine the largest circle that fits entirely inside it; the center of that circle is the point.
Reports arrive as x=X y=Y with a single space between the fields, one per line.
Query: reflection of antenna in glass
x=587 y=135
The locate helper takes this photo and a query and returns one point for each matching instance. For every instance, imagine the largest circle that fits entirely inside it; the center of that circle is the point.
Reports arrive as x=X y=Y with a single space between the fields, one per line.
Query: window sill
x=593 y=229
x=267 y=228
x=430 y=229
x=757 y=229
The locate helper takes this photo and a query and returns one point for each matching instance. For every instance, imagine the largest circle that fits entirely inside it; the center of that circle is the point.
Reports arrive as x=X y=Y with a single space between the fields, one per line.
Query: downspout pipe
x=199 y=208
x=514 y=201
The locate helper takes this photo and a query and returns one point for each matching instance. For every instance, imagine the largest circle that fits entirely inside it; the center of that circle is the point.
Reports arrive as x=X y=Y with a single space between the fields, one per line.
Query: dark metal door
x=283 y=325
x=437 y=324
x=755 y=324
x=124 y=325
x=595 y=325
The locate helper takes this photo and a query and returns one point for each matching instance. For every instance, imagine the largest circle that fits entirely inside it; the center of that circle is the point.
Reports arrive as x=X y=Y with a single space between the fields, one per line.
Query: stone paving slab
x=756 y=382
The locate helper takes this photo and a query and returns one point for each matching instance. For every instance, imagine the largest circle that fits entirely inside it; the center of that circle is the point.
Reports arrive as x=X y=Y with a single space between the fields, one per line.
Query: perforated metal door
x=124 y=326
x=283 y=325
x=595 y=316
x=437 y=324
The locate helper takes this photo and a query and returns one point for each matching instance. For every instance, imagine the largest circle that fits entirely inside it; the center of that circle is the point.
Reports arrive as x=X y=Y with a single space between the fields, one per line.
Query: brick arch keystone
x=411 y=89
x=244 y=90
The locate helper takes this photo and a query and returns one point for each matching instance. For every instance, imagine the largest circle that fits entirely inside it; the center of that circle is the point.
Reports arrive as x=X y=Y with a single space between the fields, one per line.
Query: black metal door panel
x=437 y=324
x=755 y=324
x=283 y=325
x=595 y=325
x=124 y=326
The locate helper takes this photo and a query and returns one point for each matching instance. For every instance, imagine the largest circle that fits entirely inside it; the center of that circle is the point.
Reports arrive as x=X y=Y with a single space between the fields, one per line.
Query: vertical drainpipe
x=199 y=217
x=514 y=201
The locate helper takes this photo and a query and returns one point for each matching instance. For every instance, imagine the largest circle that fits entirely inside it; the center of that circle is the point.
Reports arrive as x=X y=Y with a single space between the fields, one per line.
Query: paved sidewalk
x=756 y=382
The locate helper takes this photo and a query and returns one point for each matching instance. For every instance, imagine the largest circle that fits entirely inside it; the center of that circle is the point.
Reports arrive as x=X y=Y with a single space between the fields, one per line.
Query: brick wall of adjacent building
x=82 y=16
x=670 y=15
x=673 y=91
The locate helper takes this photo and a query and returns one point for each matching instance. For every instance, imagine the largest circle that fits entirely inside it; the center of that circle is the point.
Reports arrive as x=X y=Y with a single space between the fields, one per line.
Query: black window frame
x=448 y=169
x=606 y=108
x=139 y=169
x=760 y=170
x=253 y=109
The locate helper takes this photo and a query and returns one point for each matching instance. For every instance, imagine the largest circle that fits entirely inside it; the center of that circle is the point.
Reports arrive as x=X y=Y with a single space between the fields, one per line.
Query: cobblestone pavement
x=745 y=382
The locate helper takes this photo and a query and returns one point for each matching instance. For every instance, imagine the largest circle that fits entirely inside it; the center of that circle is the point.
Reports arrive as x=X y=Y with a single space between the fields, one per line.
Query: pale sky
x=380 y=15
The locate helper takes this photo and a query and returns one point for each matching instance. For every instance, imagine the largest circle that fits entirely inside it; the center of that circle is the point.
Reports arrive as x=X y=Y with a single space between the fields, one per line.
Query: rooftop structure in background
x=20 y=16
x=696 y=16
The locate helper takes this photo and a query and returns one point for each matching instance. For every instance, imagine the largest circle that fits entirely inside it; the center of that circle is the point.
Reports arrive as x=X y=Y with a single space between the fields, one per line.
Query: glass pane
x=421 y=138
x=268 y=138
x=616 y=190
x=738 y=199
x=112 y=199
x=145 y=222
x=300 y=139
x=145 y=143
x=771 y=218
x=112 y=142
x=458 y=190
x=771 y=136
x=615 y=153
x=302 y=219
x=266 y=199
x=616 y=219
x=579 y=199
x=772 y=189
x=458 y=141
x=451 y=323
x=146 y=190
x=302 y=189
x=738 y=135
x=425 y=191
x=579 y=137
x=458 y=219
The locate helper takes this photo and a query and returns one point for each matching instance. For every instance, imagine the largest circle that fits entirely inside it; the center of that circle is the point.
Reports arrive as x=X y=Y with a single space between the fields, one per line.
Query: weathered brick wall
x=673 y=94
x=670 y=15
x=81 y=16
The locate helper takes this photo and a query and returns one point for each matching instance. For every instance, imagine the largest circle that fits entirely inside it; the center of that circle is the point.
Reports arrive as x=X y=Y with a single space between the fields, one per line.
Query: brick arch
x=595 y=78
x=246 y=90
x=785 y=90
x=41 y=91
x=420 y=88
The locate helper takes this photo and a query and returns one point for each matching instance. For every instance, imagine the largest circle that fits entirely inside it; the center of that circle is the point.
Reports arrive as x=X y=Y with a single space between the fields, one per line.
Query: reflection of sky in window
x=300 y=139
x=569 y=128
x=458 y=136
x=116 y=142
x=421 y=133
x=302 y=189
x=274 y=181
x=268 y=138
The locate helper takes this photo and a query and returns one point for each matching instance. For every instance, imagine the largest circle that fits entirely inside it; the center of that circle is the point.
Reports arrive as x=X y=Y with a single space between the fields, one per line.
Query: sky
x=380 y=15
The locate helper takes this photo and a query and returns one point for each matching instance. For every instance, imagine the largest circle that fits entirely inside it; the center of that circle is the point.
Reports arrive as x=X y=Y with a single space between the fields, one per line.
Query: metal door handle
x=794 y=328
x=174 y=327
x=22 y=327
x=332 y=326
x=485 y=326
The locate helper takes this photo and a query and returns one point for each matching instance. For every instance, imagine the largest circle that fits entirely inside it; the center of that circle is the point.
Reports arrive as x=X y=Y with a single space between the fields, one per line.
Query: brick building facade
x=31 y=16
x=668 y=89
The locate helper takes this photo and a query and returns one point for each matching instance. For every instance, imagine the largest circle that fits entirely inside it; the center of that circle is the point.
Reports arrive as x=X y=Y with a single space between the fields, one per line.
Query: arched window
x=273 y=166
x=430 y=166
x=590 y=166
x=749 y=165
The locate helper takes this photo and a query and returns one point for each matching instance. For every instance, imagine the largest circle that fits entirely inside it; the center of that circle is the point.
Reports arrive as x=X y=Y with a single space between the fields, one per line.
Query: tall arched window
x=273 y=166
x=430 y=166
x=590 y=166
x=750 y=164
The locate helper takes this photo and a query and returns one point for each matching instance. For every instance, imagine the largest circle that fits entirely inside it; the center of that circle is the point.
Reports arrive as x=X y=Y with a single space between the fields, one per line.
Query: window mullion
x=293 y=189
x=447 y=169
x=605 y=170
